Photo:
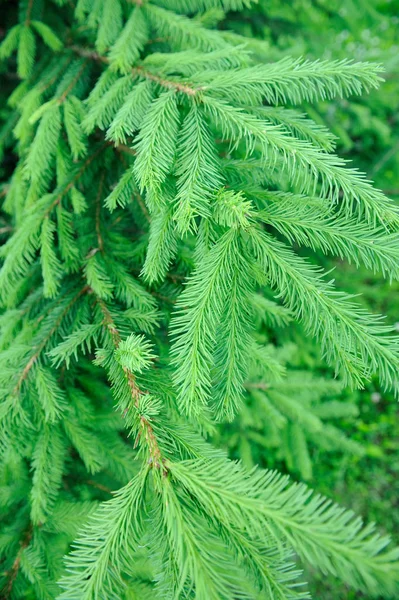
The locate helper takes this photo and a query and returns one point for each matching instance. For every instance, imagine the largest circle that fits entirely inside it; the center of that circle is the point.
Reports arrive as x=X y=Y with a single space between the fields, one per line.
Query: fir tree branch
x=147 y=432
x=63 y=191
x=35 y=356
x=187 y=202
x=72 y=84
x=178 y=86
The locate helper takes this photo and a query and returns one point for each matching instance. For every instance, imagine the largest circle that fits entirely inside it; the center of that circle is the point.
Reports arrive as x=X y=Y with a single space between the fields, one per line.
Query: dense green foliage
x=171 y=218
x=367 y=132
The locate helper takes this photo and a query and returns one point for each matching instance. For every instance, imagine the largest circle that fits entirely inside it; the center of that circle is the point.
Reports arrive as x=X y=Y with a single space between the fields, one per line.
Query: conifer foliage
x=163 y=184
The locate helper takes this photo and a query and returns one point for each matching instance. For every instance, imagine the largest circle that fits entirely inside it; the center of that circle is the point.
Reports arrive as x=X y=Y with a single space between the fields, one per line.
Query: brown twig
x=146 y=431
x=29 y=13
x=258 y=386
x=99 y=486
x=179 y=86
x=98 y=214
x=13 y=572
x=125 y=149
x=74 y=81
x=143 y=207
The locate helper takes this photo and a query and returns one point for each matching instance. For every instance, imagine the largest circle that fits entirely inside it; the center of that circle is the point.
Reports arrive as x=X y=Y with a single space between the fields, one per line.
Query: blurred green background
x=367 y=130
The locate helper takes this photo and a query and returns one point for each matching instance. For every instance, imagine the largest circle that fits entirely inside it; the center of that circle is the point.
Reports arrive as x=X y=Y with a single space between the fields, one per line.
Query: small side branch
x=13 y=572
x=146 y=431
x=179 y=86
x=35 y=356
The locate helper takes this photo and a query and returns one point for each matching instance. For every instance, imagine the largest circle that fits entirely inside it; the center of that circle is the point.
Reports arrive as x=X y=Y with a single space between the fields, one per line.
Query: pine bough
x=160 y=193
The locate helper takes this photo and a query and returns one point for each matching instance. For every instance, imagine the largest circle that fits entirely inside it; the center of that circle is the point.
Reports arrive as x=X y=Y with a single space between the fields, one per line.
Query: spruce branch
x=146 y=432
x=181 y=130
x=41 y=347
x=170 y=84
x=356 y=552
x=73 y=82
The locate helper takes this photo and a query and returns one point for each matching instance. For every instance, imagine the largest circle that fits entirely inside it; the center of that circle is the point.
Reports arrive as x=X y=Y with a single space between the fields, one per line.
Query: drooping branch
x=146 y=432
